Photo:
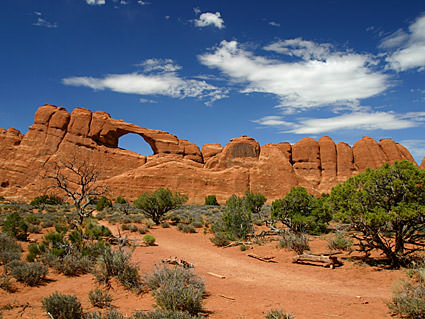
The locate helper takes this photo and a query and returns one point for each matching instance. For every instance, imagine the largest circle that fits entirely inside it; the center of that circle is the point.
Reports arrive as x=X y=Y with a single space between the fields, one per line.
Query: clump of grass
x=340 y=242
x=294 y=241
x=409 y=296
x=100 y=298
x=278 y=314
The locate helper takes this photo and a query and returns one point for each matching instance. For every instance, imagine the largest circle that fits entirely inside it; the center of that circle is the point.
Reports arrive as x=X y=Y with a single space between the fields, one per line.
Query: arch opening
x=135 y=143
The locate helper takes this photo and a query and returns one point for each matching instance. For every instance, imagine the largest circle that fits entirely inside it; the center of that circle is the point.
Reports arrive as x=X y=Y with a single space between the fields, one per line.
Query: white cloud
x=95 y=2
x=209 y=18
x=321 y=78
x=40 y=22
x=163 y=65
x=367 y=121
x=411 y=47
x=143 y=3
x=274 y=24
x=143 y=100
x=163 y=82
x=301 y=48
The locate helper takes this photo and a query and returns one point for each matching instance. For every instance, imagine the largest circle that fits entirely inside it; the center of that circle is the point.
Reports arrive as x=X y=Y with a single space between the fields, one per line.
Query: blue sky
x=209 y=71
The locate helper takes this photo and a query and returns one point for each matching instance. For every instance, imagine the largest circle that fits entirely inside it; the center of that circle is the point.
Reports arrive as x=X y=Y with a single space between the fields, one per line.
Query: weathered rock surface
x=178 y=164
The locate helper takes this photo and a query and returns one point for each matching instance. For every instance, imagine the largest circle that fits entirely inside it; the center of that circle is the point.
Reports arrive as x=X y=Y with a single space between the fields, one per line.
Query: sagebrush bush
x=164 y=314
x=177 y=289
x=63 y=306
x=409 y=297
x=74 y=264
x=6 y=284
x=297 y=242
x=100 y=298
x=116 y=263
x=42 y=200
x=30 y=274
x=9 y=249
x=278 y=314
x=184 y=228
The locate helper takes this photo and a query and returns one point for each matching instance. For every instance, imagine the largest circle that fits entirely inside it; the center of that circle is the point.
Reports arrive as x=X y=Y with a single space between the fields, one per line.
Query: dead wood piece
x=177 y=262
x=263 y=258
x=216 y=275
x=237 y=243
x=327 y=261
x=227 y=297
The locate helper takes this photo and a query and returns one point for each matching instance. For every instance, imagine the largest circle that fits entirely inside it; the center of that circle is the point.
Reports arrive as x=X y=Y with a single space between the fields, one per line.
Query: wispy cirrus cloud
x=367 y=121
x=408 y=47
x=209 y=19
x=41 y=22
x=320 y=77
x=95 y=2
x=158 y=78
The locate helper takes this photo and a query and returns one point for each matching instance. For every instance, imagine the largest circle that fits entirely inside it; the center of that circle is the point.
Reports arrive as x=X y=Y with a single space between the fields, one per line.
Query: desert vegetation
x=376 y=218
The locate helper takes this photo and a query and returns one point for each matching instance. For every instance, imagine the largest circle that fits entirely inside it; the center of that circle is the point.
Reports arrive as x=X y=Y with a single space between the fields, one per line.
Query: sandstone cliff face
x=176 y=163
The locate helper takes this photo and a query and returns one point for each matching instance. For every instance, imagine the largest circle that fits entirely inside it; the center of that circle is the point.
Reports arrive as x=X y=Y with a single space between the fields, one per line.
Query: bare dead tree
x=77 y=178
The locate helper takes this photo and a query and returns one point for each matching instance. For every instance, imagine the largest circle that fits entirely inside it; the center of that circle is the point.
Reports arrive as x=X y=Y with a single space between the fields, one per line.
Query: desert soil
x=250 y=287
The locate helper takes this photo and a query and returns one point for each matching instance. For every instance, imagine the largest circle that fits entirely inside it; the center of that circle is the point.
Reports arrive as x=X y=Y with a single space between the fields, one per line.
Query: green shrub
x=63 y=306
x=236 y=221
x=30 y=274
x=176 y=289
x=125 y=226
x=100 y=298
x=134 y=228
x=278 y=314
x=103 y=203
x=42 y=200
x=165 y=225
x=409 y=297
x=302 y=212
x=220 y=239
x=9 y=249
x=32 y=220
x=95 y=231
x=156 y=205
x=340 y=242
x=15 y=226
x=121 y=200
x=211 y=200
x=149 y=239
x=294 y=241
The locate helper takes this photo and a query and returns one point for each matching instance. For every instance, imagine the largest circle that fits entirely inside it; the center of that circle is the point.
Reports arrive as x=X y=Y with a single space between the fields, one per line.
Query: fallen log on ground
x=216 y=275
x=263 y=258
x=326 y=260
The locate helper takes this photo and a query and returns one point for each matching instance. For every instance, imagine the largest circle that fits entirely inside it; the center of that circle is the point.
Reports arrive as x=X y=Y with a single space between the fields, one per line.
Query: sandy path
x=308 y=291
x=250 y=289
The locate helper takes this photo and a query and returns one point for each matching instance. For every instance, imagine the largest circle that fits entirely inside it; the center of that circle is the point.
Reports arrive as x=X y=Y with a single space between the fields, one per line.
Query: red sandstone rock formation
x=179 y=164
